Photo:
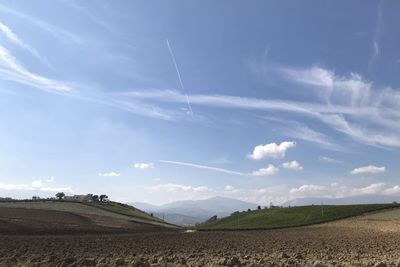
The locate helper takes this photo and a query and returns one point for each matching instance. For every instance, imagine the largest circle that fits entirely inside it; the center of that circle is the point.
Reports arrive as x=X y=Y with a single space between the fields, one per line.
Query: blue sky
x=165 y=100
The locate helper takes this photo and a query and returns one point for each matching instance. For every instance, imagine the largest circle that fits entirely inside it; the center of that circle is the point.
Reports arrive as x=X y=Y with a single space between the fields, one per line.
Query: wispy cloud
x=198 y=166
x=13 y=38
x=11 y=69
x=329 y=160
x=348 y=104
x=109 y=174
x=60 y=34
x=176 y=191
x=95 y=19
x=143 y=165
x=336 y=190
x=301 y=131
x=37 y=185
x=376 y=36
x=366 y=107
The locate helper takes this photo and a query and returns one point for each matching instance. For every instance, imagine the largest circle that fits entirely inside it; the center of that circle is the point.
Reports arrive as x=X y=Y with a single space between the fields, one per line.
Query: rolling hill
x=289 y=217
x=29 y=217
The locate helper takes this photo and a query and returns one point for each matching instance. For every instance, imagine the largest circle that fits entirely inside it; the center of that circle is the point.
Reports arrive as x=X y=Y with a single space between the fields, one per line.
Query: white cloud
x=303 y=132
x=370 y=189
x=294 y=165
x=308 y=189
x=272 y=150
x=11 y=70
x=175 y=191
x=55 y=31
x=315 y=76
x=109 y=174
x=336 y=190
x=371 y=169
x=37 y=185
x=329 y=160
x=50 y=179
x=198 y=166
x=348 y=104
x=12 y=37
x=143 y=165
x=395 y=190
x=170 y=187
x=229 y=188
x=269 y=170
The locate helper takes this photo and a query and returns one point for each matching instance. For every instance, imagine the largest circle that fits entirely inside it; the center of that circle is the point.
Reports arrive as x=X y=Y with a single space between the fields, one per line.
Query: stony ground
x=354 y=242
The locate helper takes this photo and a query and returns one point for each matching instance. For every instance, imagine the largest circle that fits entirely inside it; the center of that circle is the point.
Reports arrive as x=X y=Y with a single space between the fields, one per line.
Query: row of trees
x=88 y=197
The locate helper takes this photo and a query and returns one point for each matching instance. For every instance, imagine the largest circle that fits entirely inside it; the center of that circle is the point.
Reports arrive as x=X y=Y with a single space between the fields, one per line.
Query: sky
x=158 y=101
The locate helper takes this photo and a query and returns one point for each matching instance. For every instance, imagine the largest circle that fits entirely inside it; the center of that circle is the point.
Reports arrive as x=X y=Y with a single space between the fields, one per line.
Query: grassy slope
x=289 y=217
x=113 y=209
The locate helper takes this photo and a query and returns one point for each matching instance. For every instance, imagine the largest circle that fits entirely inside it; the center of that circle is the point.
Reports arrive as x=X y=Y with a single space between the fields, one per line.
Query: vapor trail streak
x=179 y=76
x=198 y=166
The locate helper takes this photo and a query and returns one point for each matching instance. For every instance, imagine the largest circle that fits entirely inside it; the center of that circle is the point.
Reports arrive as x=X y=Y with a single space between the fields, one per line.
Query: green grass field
x=289 y=217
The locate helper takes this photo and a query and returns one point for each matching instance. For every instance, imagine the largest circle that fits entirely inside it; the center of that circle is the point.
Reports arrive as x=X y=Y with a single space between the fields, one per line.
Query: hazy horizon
x=155 y=102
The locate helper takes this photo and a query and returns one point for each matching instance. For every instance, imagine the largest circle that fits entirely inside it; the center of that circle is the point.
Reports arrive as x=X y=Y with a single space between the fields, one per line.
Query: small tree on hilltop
x=95 y=198
x=103 y=198
x=60 y=195
x=258 y=207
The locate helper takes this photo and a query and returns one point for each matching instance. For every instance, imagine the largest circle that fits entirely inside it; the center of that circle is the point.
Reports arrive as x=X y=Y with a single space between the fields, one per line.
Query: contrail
x=179 y=77
x=198 y=166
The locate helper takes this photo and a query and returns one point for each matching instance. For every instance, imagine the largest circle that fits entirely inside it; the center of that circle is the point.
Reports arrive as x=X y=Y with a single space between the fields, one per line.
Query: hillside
x=288 y=217
x=75 y=217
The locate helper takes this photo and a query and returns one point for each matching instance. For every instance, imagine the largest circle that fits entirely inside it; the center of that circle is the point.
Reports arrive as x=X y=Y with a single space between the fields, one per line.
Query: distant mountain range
x=189 y=212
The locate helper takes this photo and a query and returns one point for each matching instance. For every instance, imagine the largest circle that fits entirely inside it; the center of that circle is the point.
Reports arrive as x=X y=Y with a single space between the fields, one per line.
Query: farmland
x=73 y=217
x=65 y=234
x=289 y=217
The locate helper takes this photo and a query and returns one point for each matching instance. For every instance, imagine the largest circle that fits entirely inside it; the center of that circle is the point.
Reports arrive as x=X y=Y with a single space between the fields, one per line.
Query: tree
x=258 y=207
x=103 y=198
x=95 y=198
x=60 y=195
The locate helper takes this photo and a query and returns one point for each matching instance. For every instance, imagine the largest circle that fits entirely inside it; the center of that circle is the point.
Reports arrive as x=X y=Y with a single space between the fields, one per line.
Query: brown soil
x=23 y=221
x=353 y=242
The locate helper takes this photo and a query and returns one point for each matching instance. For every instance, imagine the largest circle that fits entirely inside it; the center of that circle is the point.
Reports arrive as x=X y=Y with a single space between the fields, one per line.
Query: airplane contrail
x=198 y=166
x=179 y=77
